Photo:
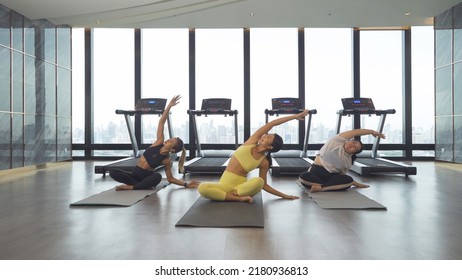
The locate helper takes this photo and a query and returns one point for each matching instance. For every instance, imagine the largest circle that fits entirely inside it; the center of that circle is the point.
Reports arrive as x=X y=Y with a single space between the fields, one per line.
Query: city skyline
x=223 y=133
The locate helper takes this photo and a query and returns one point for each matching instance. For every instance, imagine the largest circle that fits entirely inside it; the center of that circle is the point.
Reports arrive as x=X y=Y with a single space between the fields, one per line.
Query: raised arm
x=160 y=127
x=359 y=132
x=267 y=127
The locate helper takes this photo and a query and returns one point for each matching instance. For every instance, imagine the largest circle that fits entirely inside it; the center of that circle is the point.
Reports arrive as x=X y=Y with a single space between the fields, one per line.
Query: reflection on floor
x=422 y=221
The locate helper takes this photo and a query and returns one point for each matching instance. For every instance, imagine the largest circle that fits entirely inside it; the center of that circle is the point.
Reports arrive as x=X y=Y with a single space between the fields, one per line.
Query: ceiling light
x=407 y=13
x=252 y=14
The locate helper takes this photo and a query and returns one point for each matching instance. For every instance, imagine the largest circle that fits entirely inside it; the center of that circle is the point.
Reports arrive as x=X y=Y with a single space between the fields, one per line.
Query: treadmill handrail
x=311 y=112
x=345 y=112
x=128 y=114
x=140 y=112
x=382 y=113
x=195 y=113
x=282 y=112
x=212 y=112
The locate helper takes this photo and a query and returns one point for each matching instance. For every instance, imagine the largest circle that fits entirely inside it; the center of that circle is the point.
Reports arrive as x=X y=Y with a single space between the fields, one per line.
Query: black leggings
x=139 y=178
x=318 y=175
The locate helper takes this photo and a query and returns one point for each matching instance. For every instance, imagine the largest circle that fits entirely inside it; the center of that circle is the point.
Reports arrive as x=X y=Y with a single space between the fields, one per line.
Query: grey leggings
x=139 y=178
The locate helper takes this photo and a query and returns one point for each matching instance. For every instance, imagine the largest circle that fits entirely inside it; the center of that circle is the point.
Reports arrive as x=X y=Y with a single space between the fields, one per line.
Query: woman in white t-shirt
x=328 y=172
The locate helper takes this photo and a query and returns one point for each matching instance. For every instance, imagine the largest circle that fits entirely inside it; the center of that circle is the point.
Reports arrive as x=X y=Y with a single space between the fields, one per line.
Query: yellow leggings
x=230 y=182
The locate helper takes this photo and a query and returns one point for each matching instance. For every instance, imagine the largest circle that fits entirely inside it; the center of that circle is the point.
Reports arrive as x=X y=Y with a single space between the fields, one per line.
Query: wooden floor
x=423 y=221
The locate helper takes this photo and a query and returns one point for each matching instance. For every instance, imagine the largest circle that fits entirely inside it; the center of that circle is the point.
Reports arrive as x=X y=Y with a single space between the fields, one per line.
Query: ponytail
x=181 y=161
x=277 y=145
x=269 y=158
x=180 y=146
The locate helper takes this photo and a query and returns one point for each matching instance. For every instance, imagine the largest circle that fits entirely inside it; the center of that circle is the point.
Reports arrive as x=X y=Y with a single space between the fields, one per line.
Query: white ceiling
x=233 y=13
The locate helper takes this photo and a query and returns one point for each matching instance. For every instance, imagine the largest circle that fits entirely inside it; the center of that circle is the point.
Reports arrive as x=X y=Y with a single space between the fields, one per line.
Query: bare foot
x=233 y=196
x=316 y=188
x=248 y=199
x=359 y=185
x=124 y=188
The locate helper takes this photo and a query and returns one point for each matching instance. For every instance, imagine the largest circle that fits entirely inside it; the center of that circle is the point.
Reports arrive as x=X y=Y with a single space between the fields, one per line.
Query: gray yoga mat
x=112 y=197
x=207 y=213
x=347 y=199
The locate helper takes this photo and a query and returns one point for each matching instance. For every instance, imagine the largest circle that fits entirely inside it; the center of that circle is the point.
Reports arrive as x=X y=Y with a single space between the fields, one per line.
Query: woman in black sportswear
x=143 y=175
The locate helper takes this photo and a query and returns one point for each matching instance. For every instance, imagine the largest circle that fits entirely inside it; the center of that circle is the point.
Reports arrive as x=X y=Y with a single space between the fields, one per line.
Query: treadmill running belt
x=292 y=162
x=129 y=163
x=375 y=162
x=210 y=162
x=289 y=166
x=208 y=165
x=366 y=166
x=125 y=164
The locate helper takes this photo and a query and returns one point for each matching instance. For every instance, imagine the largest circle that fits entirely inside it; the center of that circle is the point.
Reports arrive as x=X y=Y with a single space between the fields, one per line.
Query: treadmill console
x=361 y=106
x=286 y=104
x=150 y=104
x=216 y=104
x=146 y=106
x=358 y=104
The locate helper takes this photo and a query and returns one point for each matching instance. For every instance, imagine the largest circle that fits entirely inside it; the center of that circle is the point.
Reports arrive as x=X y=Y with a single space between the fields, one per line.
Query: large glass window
x=220 y=74
x=113 y=83
x=273 y=73
x=165 y=73
x=5 y=78
x=5 y=27
x=328 y=78
x=382 y=80
x=423 y=86
x=78 y=86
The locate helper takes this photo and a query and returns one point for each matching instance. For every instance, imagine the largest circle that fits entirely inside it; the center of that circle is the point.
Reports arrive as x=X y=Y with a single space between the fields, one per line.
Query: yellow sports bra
x=245 y=158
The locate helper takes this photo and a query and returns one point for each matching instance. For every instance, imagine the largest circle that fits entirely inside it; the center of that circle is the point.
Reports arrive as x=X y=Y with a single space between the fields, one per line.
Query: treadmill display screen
x=216 y=104
x=358 y=104
x=285 y=104
x=151 y=104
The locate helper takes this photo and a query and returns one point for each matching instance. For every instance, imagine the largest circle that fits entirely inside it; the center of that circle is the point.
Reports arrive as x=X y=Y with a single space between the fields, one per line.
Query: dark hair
x=360 y=149
x=179 y=145
x=277 y=145
x=353 y=157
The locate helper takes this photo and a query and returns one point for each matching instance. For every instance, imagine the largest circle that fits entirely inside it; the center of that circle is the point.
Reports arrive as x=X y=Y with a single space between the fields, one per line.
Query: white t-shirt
x=333 y=156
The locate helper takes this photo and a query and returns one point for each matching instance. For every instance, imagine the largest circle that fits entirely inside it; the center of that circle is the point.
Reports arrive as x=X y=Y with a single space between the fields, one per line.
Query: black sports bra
x=153 y=156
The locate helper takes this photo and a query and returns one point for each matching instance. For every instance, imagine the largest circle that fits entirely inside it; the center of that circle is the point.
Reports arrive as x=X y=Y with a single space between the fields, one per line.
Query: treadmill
x=211 y=161
x=144 y=106
x=290 y=162
x=371 y=163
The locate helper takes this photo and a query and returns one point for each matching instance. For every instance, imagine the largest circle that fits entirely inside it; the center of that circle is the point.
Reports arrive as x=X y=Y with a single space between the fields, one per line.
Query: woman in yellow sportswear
x=254 y=153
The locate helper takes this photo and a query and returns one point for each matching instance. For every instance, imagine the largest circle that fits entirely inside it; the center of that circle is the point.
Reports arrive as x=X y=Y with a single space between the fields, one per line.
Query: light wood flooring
x=423 y=221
